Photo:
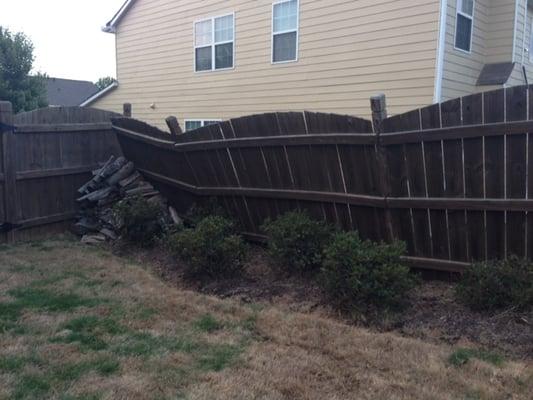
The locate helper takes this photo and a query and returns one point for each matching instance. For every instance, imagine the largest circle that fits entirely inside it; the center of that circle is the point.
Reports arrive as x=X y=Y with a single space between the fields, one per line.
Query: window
x=285 y=31
x=464 y=25
x=192 y=124
x=213 y=43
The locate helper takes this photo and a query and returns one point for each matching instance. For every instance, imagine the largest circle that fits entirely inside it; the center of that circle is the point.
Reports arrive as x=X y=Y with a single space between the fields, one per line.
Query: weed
x=140 y=344
x=31 y=387
x=11 y=364
x=463 y=356
x=88 y=332
x=208 y=324
x=46 y=300
x=217 y=358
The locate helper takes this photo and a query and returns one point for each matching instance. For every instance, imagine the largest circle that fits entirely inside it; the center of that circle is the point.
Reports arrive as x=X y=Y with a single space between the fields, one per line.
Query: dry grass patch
x=80 y=323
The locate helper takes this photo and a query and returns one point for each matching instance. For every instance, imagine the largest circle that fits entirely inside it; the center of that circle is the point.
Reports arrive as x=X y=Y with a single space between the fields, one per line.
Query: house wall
x=492 y=42
x=348 y=51
x=523 y=45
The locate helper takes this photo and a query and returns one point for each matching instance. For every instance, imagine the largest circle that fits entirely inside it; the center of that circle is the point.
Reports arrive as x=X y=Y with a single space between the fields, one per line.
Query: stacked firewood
x=115 y=181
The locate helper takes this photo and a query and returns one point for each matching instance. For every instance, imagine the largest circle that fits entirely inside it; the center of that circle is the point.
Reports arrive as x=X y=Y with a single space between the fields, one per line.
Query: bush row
x=354 y=272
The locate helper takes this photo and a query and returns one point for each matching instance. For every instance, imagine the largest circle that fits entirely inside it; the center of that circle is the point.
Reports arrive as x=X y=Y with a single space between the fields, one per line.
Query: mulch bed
x=434 y=315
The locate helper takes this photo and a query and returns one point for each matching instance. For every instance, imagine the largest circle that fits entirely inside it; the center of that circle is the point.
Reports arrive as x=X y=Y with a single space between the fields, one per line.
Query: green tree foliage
x=26 y=92
x=102 y=83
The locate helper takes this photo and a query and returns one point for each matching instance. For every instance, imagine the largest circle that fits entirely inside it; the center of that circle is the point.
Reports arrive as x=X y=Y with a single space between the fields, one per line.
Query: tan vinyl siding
x=523 y=44
x=348 y=51
x=492 y=42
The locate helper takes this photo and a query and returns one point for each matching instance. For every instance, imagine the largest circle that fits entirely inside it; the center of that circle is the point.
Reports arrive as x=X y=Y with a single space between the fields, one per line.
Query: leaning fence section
x=452 y=180
x=46 y=155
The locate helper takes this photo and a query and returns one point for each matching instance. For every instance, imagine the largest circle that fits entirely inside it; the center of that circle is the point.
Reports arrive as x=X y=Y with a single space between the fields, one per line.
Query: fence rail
x=453 y=180
x=46 y=155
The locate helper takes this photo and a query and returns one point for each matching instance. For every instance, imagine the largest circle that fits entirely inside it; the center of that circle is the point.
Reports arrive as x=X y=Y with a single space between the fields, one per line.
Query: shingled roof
x=67 y=92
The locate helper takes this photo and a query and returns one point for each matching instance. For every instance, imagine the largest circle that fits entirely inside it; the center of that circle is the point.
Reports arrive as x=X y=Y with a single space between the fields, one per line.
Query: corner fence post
x=8 y=163
x=126 y=110
x=378 y=104
x=173 y=125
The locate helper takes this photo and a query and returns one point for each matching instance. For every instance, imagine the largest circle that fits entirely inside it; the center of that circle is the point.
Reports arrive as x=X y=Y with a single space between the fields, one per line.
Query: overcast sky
x=66 y=34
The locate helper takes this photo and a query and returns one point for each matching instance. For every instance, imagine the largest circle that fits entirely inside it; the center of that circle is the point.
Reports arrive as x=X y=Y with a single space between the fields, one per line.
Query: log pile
x=115 y=181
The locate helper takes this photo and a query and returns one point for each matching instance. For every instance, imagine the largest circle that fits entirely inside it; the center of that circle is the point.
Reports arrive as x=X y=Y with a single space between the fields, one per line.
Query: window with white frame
x=192 y=124
x=285 y=31
x=214 y=43
x=464 y=25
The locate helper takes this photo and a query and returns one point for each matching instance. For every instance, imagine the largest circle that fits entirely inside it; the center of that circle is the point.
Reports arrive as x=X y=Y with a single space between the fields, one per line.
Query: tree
x=26 y=92
x=102 y=83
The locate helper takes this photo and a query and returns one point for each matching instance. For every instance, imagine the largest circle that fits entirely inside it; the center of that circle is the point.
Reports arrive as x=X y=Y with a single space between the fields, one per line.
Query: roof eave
x=111 y=26
x=101 y=93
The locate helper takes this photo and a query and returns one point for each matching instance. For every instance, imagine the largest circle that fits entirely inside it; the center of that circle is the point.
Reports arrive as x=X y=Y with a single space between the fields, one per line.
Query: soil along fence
x=452 y=180
x=46 y=155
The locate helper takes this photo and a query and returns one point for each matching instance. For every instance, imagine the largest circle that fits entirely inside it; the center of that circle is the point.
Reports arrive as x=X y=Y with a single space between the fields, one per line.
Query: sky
x=67 y=35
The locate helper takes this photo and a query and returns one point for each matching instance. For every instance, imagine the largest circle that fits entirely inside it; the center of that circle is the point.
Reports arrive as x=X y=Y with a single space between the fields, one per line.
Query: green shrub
x=360 y=273
x=296 y=242
x=211 y=248
x=141 y=221
x=497 y=284
x=207 y=208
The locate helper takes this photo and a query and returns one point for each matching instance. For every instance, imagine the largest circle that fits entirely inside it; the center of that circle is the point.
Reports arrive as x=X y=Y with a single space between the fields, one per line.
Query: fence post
x=126 y=110
x=173 y=125
x=10 y=181
x=378 y=104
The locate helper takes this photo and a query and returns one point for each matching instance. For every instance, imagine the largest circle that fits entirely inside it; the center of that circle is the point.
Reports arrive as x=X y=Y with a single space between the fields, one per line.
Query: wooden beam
x=354 y=199
x=50 y=219
x=173 y=126
x=126 y=110
x=458 y=132
x=51 y=128
x=25 y=175
x=10 y=184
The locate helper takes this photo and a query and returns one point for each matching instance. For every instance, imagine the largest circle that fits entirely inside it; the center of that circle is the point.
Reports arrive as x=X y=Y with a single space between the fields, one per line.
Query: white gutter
x=99 y=94
x=441 y=47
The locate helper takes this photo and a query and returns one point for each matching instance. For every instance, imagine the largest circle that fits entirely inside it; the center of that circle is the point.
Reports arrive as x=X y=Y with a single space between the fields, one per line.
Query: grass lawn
x=79 y=323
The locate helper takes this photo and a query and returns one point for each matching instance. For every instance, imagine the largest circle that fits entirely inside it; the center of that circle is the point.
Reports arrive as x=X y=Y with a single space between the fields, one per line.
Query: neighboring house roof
x=111 y=26
x=99 y=94
x=67 y=92
x=495 y=74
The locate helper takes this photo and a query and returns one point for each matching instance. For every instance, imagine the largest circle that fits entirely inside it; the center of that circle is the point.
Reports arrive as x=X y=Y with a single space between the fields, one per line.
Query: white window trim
x=459 y=6
x=297 y=30
x=202 y=122
x=213 y=44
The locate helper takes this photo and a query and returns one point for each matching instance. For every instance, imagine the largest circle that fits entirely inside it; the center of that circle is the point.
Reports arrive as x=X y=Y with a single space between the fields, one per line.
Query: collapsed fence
x=452 y=180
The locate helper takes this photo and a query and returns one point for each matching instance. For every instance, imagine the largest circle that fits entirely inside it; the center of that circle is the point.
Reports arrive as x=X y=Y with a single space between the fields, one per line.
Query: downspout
x=524 y=71
x=441 y=47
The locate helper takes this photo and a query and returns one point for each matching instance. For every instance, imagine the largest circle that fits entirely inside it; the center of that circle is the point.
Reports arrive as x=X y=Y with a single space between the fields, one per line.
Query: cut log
x=108 y=233
x=97 y=195
x=143 y=189
x=93 y=239
x=175 y=217
x=130 y=179
x=121 y=174
x=110 y=169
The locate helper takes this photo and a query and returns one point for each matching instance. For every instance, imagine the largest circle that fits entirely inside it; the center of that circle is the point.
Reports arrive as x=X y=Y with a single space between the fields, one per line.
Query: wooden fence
x=45 y=156
x=452 y=180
